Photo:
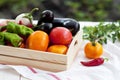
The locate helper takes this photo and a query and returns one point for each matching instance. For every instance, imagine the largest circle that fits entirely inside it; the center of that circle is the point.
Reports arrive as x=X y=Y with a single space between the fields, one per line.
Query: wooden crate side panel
x=74 y=48
x=54 y=67
x=33 y=54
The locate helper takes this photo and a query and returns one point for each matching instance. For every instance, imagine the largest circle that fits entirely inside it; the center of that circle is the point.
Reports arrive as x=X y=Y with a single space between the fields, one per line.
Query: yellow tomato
x=93 y=51
x=59 y=49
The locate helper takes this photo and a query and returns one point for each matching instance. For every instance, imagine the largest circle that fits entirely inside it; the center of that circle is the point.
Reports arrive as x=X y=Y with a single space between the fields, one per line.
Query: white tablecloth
x=108 y=71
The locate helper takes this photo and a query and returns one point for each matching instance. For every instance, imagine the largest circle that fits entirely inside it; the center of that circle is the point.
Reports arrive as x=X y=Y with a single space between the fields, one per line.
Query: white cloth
x=108 y=71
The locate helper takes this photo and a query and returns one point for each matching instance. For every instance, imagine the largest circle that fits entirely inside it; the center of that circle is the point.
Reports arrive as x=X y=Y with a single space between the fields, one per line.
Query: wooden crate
x=39 y=59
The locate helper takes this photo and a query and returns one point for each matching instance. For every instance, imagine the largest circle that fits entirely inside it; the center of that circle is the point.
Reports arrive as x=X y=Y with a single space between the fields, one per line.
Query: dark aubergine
x=46 y=16
x=47 y=27
x=69 y=23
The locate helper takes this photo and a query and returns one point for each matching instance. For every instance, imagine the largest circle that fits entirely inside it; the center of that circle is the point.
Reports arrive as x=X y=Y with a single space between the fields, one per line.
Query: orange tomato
x=38 y=40
x=93 y=51
x=59 y=49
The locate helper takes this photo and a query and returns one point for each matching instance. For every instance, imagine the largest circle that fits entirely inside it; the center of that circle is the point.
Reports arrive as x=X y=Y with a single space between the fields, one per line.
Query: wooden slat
x=74 y=48
x=33 y=54
x=55 y=67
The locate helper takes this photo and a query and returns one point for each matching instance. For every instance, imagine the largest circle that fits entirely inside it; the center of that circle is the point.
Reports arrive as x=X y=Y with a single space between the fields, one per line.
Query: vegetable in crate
x=45 y=21
x=58 y=49
x=38 y=40
x=69 y=23
x=26 y=18
x=47 y=27
x=2 y=42
x=10 y=39
x=21 y=30
x=60 y=36
x=18 y=29
x=46 y=16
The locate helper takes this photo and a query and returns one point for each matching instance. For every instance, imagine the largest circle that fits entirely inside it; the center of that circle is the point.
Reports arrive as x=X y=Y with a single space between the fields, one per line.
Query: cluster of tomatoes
x=57 y=41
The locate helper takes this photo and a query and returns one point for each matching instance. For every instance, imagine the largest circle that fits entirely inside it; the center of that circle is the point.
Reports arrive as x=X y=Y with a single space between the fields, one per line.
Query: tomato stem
x=93 y=43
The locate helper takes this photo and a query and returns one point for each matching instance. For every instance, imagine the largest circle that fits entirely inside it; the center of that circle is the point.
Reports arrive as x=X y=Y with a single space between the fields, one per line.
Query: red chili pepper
x=94 y=62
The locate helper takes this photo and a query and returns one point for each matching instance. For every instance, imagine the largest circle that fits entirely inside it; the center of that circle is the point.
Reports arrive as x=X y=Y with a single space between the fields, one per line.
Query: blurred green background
x=82 y=10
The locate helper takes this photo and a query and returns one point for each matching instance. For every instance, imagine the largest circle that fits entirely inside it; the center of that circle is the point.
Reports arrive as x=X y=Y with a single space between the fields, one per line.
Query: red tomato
x=60 y=35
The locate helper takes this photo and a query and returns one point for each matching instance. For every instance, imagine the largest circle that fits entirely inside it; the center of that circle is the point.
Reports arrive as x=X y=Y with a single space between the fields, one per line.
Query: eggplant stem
x=29 y=15
x=33 y=10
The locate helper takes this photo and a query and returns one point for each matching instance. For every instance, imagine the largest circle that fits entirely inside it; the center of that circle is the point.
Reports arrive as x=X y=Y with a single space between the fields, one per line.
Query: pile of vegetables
x=12 y=35
x=49 y=34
